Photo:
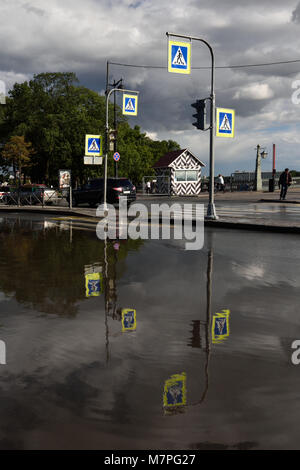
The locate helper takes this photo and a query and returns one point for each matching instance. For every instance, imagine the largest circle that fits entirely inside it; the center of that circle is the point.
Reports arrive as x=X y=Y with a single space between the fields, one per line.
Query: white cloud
x=255 y=91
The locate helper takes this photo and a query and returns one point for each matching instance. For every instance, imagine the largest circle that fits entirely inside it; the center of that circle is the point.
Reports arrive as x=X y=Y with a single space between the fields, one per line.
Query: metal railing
x=37 y=196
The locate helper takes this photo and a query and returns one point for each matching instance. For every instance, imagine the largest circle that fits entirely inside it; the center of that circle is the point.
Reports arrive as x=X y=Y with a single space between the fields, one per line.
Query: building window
x=180 y=175
x=186 y=175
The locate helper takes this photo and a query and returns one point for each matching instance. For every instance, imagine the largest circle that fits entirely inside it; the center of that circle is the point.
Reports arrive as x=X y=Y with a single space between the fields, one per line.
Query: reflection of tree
x=43 y=270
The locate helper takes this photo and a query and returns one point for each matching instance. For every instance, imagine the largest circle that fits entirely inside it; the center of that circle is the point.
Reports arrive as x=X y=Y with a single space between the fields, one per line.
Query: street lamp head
x=264 y=154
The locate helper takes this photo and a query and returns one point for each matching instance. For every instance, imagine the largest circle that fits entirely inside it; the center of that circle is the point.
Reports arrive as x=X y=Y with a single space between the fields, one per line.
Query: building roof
x=170 y=157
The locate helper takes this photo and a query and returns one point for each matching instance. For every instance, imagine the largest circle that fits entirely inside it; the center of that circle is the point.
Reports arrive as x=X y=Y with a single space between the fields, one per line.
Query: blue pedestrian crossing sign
x=179 y=57
x=130 y=104
x=93 y=145
x=225 y=120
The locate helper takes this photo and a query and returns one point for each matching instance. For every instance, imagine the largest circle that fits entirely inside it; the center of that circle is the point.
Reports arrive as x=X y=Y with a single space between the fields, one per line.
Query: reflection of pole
x=208 y=316
x=71 y=231
x=105 y=299
x=207 y=323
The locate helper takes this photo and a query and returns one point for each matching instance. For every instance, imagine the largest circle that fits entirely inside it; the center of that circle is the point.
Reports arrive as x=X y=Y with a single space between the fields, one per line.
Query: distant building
x=178 y=173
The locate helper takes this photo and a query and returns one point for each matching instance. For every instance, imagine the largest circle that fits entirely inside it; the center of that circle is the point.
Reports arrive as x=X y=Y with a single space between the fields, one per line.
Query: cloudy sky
x=81 y=36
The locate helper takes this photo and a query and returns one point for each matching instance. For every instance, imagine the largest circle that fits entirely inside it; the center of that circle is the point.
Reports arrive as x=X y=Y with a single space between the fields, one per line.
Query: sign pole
x=211 y=210
x=113 y=90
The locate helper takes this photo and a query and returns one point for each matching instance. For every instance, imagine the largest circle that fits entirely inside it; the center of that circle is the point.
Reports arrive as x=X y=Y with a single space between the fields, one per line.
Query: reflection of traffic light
x=200 y=107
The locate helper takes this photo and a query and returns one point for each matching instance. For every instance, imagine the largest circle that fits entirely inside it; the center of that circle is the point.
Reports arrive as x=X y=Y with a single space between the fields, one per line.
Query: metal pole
x=113 y=90
x=274 y=155
x=115 y=128
x=70 y=195
x=211 y=210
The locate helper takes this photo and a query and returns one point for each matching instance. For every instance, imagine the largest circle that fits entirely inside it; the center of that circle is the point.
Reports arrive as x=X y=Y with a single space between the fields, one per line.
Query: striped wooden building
x=178 y=173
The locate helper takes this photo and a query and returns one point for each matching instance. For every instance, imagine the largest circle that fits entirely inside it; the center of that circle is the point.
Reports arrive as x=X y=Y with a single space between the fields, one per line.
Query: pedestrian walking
x=221 y=183
x=284 y=182
x=148 y=187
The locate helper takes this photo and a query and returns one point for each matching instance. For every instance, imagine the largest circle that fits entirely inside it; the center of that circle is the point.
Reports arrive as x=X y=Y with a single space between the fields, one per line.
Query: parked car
x=32 y=194
x=4 y=190
x=93 y=192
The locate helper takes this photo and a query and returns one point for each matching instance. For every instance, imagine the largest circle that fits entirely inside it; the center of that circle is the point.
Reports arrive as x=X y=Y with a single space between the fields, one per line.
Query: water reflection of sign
x=175 y=390
x=220 y=326
x=128 y=319
x=64 y=179
x=93 y=284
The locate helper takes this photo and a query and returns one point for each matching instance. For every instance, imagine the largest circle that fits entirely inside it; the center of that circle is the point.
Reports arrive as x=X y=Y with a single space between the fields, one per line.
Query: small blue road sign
x=130 y=103
x=93 y=145
x=179 y=59
x=116 y=156
x=225 y=122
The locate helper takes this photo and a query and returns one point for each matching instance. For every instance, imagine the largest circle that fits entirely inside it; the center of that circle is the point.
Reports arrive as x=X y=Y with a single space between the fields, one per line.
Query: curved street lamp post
x=211 y=210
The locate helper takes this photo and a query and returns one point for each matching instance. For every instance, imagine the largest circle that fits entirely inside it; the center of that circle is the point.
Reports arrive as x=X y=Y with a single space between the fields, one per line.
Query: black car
x=93 y=192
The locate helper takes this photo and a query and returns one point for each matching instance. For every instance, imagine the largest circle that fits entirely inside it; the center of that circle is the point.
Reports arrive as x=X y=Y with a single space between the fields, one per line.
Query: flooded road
x=143 y=345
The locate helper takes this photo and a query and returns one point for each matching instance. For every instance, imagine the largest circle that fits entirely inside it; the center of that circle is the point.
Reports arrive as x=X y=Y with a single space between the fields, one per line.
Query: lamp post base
x=211 y=212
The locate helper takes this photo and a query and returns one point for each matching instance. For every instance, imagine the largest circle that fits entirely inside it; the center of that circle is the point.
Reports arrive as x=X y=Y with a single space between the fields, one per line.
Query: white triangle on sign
x=179 y=59
x=225 y=126
x=129 y=105
x=94 y=146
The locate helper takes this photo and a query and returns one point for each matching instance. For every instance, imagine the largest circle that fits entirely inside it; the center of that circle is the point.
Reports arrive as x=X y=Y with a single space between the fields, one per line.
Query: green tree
x=139 y=153
x=54 y=112
x=17 y=153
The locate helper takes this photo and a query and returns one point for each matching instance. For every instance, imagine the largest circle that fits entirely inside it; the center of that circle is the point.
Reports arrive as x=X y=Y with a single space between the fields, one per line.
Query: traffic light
x=112 y=137
x=200 y=106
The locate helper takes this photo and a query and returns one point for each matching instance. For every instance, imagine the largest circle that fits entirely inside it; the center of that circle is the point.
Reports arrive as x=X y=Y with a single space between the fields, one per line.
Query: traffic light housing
x=200 y=107
x=112 y=137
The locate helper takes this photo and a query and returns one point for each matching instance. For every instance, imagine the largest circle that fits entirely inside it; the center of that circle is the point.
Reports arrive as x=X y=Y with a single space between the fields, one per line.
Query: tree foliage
x=54 y=112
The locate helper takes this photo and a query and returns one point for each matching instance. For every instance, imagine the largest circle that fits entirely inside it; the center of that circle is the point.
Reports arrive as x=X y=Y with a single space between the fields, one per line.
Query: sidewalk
x=259 y=211
x=293 y=196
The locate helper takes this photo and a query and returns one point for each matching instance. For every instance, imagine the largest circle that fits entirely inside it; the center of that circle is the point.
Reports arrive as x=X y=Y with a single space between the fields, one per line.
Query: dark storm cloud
x=81 y=36
x=31 y=9
x=296 y=14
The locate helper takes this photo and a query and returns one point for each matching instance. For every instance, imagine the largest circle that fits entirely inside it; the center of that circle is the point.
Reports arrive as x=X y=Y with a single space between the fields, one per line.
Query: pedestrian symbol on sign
x=93 y=146
x=225 y=126
x=129 y=106
x=179 y=58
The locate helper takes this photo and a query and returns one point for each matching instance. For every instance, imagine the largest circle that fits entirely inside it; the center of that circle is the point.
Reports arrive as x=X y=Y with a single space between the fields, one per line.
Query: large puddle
x=143 y=345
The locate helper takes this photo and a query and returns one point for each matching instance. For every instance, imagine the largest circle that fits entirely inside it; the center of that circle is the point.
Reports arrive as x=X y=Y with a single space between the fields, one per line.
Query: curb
x=279 y=201
x=207 y=223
